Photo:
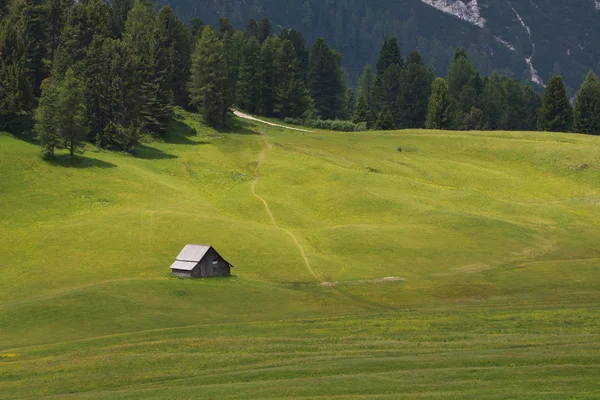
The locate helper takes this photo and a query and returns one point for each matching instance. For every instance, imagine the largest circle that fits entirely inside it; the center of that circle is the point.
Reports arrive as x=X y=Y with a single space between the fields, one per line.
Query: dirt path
x=251 y=118
x=261 y=159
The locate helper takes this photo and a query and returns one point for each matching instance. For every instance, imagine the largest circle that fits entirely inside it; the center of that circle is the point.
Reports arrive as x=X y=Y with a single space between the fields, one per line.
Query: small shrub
x=330 y=125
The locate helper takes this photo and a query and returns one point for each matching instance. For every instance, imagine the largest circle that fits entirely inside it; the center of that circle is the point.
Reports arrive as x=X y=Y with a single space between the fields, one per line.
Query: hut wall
x=180 y=273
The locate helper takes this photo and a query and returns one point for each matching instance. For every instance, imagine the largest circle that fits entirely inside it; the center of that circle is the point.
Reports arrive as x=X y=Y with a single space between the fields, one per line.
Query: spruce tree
x=514 y=115
x=494 y=101
x=389 y=55
x=361 y=109
x=587 y=106
x=291 y=97
x=47 y=121
x=224 y=27
x=392 y=96
x=267 y=83
x=265 y=30
x=460 y=74
x=556 y=114
x=533 y=101
x=350 y=102
x=367 y=85
x=325 y=80
x=71 y=113
x=120 y=10
x=415 y=92
x=252 y=28
x=208 y=82
x=440 y=113
x=248 y=85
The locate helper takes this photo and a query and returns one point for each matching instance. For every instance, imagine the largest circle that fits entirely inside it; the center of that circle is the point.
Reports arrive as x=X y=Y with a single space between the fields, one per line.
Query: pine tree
x=415 y=92
x=389 y=55
x=361 y=109
x=267 y=83
x=350 y=103
x=325 y=80
x=47 y=121
x=291 y=97
x=208 y=82
x=155 y=97
x=440 y=113
x=587 y=106
x=494 y=101
x=533 y=102
x=367 y=85
x=248 y=85
x=71 y=113
x=386 y=120
x=265 y=30
x=174 y=40
x=225 y=27
x=556 y=114
x=460 y=74
x=252 y=28
x=514 y=115
x=392 y=96
x=120 y=10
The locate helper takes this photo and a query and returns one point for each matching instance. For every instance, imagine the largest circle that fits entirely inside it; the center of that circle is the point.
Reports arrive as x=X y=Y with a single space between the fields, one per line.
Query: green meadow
x=375 y=265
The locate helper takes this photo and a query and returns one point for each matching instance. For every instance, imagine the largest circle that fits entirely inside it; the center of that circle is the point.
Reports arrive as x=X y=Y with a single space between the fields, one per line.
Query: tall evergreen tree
x=174 y=41
x=392 y=96
x=325 y=80
x=208 y=82
x=47 y=121
x=367 y=85
x=415 y=93
x=120 y=10
x=388 y=56
x=587 y=106
x=155 y=97
x=299 y=43
x=494 y=101
x=252 y=28
x=248 y=85
x=225 y=27
x=513 y=118
x=268 y=85
x=350 y=102
x=291 y=96
x=265 y=30
x=556 y=114
x=460 y=74
x=440 y=113
x=533 y=101
x=361 y=109
x=71 y=113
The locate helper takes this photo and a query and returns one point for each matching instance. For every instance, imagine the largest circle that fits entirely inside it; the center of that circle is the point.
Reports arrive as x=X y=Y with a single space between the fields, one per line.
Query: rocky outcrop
x=467 y=11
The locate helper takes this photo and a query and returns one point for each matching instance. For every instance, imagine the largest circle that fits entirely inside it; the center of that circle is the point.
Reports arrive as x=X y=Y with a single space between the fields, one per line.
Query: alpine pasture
x=374 y=265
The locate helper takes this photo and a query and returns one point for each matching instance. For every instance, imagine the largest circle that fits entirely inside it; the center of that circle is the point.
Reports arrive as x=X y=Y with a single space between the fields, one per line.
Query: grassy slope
x=495 y=237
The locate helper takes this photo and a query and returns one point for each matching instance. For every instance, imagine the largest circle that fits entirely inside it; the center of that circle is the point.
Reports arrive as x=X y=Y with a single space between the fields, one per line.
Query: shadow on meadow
x=151 y=153
x=179 y=133
x=239 y=127
x=79 y=162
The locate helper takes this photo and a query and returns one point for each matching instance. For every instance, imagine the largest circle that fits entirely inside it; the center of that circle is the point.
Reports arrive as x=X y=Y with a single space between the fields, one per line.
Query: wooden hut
x=200 y=261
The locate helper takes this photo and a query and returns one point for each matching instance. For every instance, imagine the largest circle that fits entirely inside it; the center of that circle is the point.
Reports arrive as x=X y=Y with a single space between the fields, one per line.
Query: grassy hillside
x=413 y=264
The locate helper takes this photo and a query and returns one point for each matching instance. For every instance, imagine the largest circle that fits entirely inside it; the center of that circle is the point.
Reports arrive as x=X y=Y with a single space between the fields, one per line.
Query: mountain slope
x=516 y=37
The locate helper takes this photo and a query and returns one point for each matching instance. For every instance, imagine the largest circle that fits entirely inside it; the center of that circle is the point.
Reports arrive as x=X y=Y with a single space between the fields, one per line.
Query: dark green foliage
x=46 y=117
x=208 y=83
x=325 y=80
x=111 y=94
x=587 y=106
x=416 y=90
x=385 y=120
x=350 y=102
x=392 y=97
x=16 y=93
x=440 y=113
x=533 y=101
x=330 y=125
x=71 y=115
x=225 y=27
x=474 y=120
x=120 y=10
x=389 y=55
x=461 y=75
x=145 y=42
x=268 y=53
x=291 y=96
x=248 y=85
x=494 y=101
x=265 y=30
x=367 y=88
x=513 y=118
x=252 y=28
x=361 y=109
x=556 y=114
x=299 y=43
x=174 y=41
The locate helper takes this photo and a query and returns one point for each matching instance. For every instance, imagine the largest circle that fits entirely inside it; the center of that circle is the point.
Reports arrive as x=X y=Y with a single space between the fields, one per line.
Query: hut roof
x=193 y=253
x=184 y=265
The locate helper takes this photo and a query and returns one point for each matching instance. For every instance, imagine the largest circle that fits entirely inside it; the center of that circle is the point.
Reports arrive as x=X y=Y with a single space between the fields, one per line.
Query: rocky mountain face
x=530 y=40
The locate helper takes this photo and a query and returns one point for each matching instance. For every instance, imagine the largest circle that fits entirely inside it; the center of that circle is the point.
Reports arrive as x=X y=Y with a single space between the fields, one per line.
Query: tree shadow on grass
x=150 y=153
x=239 y=127
x=79 y=162
x=179 y=133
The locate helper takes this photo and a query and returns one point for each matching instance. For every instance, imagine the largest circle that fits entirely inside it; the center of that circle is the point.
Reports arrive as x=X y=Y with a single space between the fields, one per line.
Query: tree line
x=109 y=73
x=405 y=94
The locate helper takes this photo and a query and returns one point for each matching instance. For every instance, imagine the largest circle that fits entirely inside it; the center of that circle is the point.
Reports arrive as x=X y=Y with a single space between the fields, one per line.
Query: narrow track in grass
x=257 y=177
x=259 y=164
